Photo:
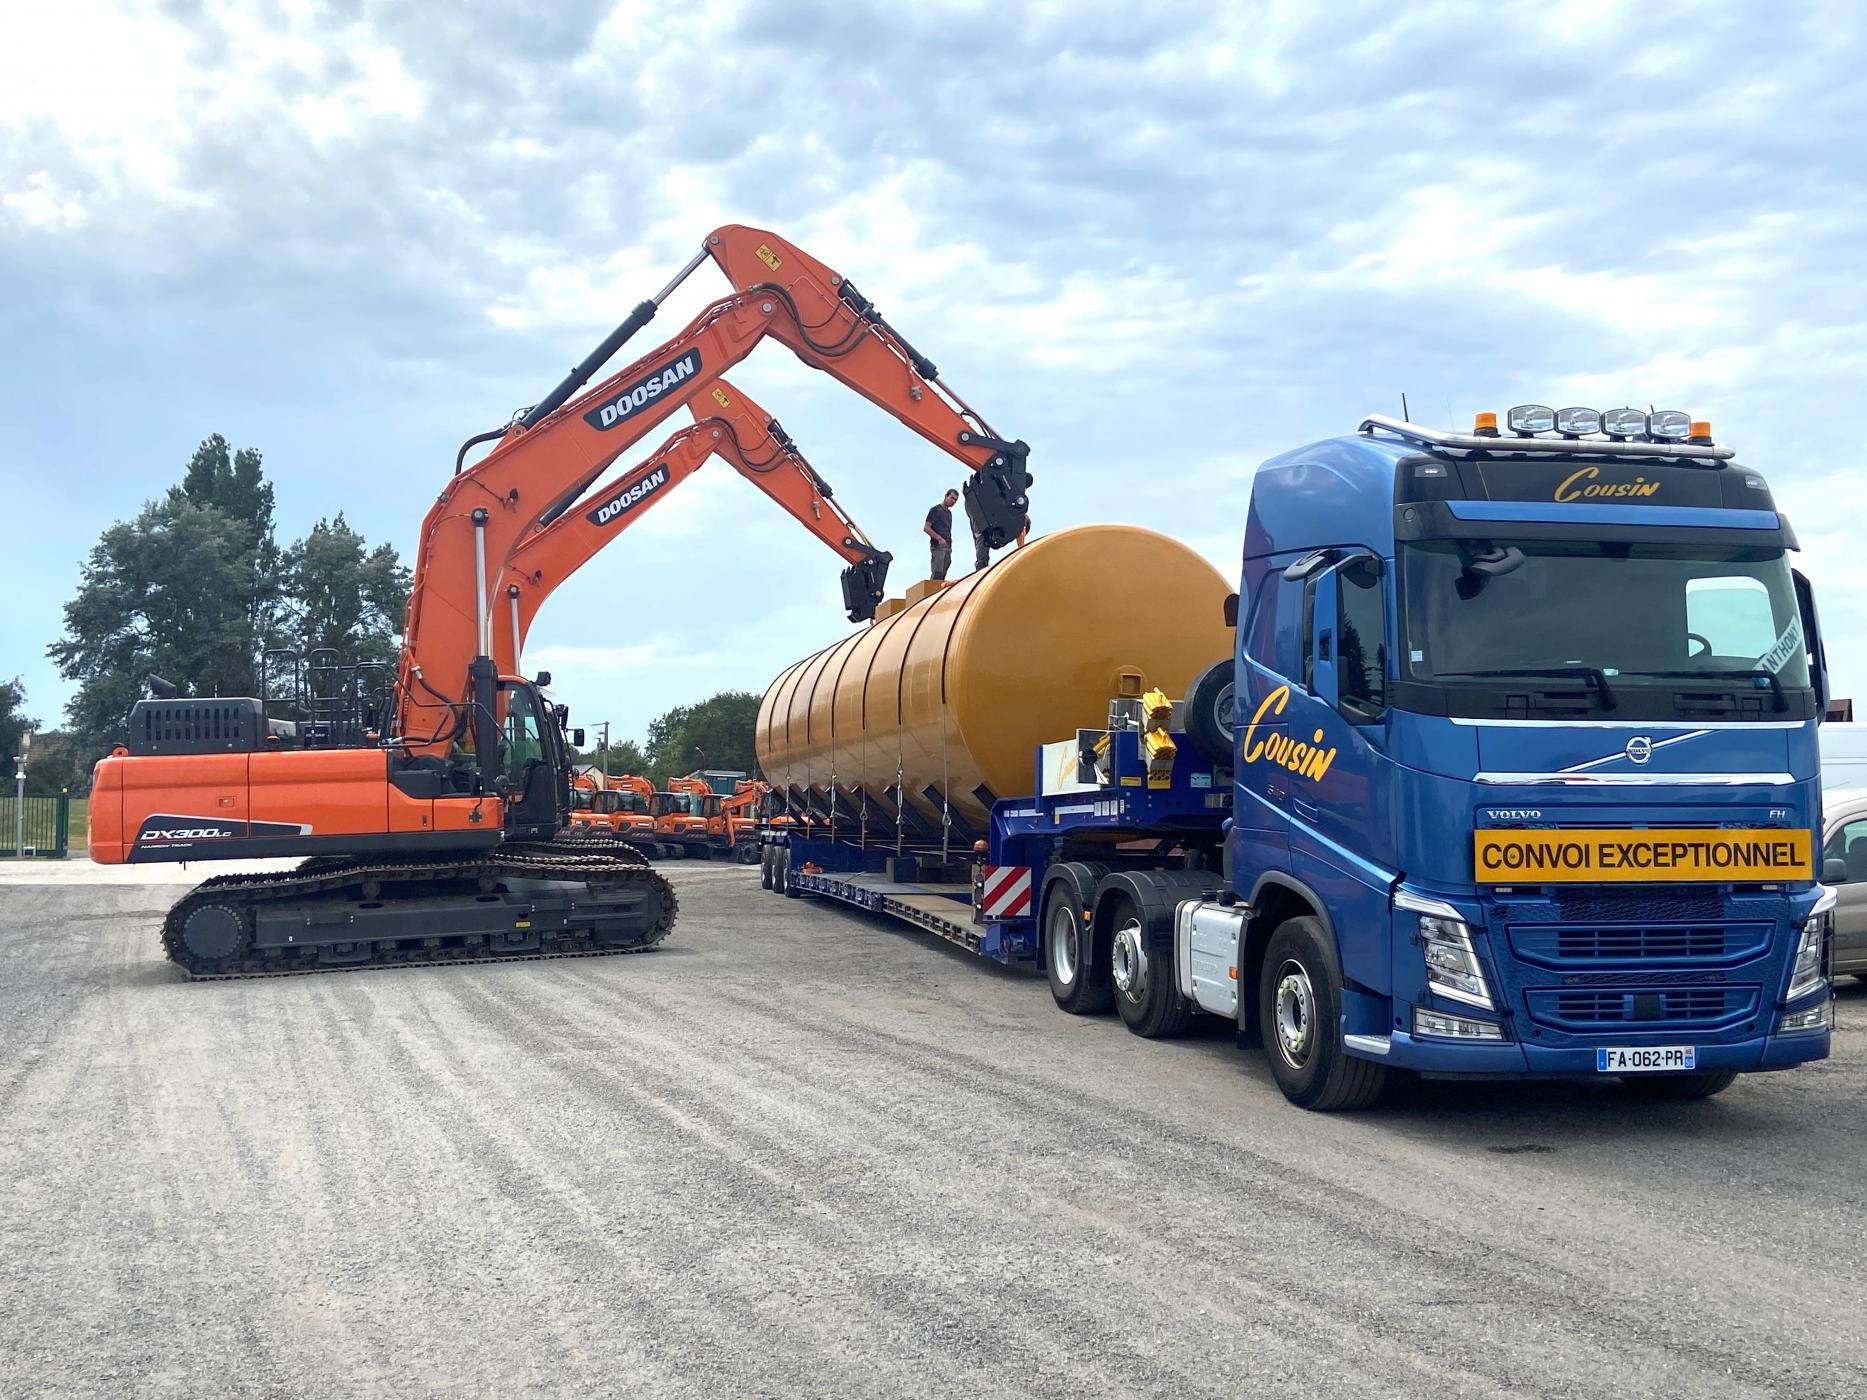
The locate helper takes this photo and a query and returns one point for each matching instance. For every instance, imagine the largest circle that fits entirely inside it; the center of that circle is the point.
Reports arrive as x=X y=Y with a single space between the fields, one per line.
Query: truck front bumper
x=1428 y=1055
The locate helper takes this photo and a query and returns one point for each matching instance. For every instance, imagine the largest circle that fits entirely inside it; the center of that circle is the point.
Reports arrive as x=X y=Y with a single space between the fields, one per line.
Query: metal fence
x=39 y=826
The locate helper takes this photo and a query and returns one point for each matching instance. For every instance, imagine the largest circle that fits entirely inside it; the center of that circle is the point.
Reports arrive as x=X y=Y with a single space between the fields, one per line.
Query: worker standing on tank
x=938 y=528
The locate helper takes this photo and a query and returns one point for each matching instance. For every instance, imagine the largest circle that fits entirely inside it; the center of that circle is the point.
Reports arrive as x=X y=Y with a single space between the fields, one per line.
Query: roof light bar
x=1699 y=447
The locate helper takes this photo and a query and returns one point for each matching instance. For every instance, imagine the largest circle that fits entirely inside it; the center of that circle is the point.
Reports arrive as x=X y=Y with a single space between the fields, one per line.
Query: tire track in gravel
x=739 y=1158
x=1350 y=1219
x=888 y=1182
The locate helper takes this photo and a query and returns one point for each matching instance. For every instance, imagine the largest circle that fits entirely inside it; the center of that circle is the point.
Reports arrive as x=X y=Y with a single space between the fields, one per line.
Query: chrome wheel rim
x=1295 y=1014
x=1063 y=944
x=1130 y=961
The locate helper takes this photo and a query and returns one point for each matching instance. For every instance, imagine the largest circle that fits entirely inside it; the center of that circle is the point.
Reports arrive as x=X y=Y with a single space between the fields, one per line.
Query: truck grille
x=1642 y=1008
x=1574 y=945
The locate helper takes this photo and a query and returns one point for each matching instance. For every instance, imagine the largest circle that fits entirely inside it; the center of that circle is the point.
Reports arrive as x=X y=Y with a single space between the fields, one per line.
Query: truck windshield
x=1623 y=610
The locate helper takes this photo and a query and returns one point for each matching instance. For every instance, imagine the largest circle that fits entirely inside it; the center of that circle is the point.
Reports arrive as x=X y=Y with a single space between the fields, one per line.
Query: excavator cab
x=533 y=773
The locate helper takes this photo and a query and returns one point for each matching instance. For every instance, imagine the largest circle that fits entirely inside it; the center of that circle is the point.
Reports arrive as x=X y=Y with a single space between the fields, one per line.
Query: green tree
x=58 y=765
x=196 y=586
x=715 y=733
x=172 y=593
x=343 y=595
x=13 y=721
x=624 y=756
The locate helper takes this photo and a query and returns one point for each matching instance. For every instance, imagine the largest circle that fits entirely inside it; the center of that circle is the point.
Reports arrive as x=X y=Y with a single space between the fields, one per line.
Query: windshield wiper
x=1593 y=674
x=1778 y=700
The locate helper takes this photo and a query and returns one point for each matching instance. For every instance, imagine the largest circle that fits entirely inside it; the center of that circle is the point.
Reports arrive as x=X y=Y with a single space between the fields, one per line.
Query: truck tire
x=1211 y=714
x=1677 y=1086
x=780 y=869
x=1146 y=996
x=789 y=888
x=1080 y=986
x=764 y=867
x=1300 y=1008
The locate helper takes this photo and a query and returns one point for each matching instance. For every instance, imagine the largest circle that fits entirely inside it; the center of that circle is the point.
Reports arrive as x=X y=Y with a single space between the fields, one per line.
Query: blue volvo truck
x=1512 y=773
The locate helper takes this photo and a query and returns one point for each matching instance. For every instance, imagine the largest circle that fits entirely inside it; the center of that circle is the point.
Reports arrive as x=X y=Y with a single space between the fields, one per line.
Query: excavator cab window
x=532 y=760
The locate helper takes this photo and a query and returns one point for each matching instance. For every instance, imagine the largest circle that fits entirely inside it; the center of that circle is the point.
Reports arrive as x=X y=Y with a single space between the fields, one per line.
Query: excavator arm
x=553 y=453
x=726 y=423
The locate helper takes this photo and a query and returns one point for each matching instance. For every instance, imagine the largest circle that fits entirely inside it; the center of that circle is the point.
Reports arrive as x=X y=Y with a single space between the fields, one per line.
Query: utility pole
x=602 y=756
x=19 y=795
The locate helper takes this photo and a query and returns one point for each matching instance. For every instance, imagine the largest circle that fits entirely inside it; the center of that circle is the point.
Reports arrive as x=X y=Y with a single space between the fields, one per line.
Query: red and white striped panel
x=1007 y=891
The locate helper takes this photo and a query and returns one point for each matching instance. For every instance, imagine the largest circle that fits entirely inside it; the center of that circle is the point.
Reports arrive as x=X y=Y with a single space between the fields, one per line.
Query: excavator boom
x=727 y=423
x=554 y=453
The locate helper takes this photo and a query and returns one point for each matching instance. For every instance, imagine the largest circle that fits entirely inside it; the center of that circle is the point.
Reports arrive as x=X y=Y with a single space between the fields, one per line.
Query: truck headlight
x=1810 y=972
x=1443 y=1027
x=1819 y=1017
x=1446 y=942
x=1452 y=966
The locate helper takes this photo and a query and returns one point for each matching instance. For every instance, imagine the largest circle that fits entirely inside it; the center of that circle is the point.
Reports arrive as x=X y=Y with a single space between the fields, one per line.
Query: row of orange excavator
x=689 y=819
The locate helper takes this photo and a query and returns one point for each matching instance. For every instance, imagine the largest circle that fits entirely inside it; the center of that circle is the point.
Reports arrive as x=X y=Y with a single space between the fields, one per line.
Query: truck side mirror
x=1812 y=640
x=1834 y=871
x=576 y=738
x=1231 y=610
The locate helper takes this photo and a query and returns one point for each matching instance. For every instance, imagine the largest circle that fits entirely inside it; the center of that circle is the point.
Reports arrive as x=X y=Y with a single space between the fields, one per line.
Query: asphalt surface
x=797 y=1152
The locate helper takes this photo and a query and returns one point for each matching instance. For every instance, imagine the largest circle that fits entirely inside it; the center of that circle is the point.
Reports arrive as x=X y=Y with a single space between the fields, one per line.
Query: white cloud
x=1158 y=242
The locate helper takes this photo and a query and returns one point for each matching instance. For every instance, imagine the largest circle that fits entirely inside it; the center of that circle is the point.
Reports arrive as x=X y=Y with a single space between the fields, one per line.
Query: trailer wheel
x=764 y=867
x=780 y=869
x=1300 y=1008
x=1080 y=984
x=1677 y=1086
x=1150 y=1004
x=791 y=891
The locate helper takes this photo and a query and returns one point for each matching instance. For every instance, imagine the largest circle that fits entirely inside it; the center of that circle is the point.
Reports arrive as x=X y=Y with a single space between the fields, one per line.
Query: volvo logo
x=1639 y=749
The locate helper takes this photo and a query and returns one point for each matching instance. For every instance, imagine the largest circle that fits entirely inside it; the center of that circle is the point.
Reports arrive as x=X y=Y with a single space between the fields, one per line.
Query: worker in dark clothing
x=939 y=531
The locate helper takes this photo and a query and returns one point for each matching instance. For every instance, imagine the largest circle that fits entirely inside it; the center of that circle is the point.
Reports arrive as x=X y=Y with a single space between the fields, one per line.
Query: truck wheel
x=1079 y=983
x=1677 y=1086
x=764 y=867
x=1150 y=1004
x=1211 y=714
x=1300 y=1008
x=791 y=891
x=780 y=869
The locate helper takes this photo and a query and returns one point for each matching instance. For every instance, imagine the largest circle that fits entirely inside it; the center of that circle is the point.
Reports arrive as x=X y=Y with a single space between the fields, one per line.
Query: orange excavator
x=618 y=811
x=429 y=806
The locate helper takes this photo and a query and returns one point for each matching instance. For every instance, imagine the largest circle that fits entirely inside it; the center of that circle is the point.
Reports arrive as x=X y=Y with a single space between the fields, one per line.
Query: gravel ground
x=796 y=1152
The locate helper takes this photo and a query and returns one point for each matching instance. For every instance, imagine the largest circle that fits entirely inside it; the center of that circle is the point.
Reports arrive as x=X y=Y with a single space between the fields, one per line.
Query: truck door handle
x=1306 y=810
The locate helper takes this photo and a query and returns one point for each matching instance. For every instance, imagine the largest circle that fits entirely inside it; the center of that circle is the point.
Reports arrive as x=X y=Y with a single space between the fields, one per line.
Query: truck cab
x=1526 y=767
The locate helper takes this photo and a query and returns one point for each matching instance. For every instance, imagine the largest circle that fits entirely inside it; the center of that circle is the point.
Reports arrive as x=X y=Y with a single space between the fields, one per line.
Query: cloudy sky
x=1160 y=242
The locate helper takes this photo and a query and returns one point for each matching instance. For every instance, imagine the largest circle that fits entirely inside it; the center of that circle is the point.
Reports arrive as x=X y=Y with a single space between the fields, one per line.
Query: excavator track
x=519 y=902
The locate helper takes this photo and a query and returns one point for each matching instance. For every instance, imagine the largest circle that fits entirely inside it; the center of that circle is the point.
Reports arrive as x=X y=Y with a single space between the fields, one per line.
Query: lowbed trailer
x=1511 y=771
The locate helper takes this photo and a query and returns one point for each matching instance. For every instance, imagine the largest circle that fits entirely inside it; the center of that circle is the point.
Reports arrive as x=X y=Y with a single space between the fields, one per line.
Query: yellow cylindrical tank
x=953 y=693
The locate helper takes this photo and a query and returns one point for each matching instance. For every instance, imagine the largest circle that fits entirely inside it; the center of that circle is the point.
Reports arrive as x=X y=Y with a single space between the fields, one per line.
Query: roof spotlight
x=1669 y=423
x=1531 y=418
x=1573 y=422
x=1624 y=423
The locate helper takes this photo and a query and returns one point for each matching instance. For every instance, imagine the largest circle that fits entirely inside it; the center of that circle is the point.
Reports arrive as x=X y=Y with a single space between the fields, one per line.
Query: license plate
x=1645 y=1059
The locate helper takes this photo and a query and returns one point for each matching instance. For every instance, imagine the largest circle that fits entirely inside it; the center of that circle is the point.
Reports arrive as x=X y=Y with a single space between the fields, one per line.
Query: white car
x=1844 y=839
